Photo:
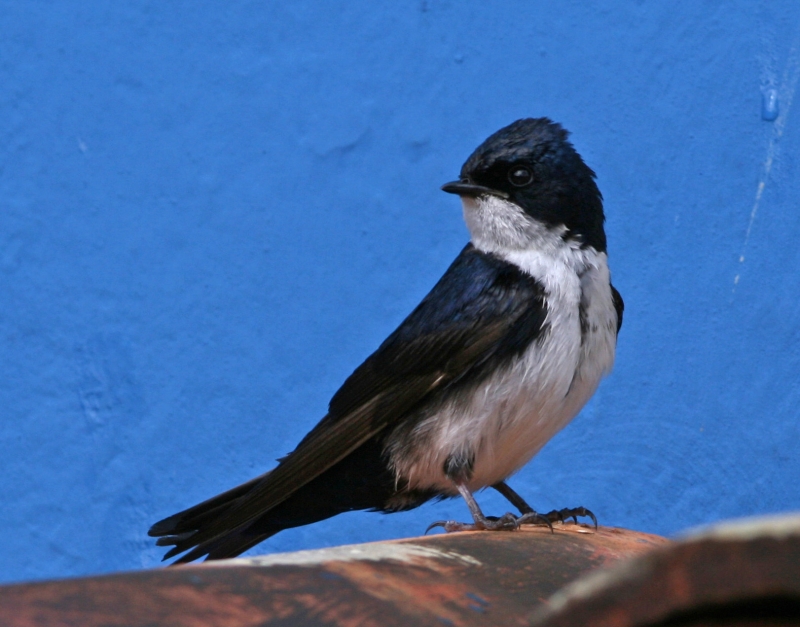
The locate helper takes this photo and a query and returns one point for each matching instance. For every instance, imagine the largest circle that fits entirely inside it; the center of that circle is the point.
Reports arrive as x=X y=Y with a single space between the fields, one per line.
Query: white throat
x=502 y=228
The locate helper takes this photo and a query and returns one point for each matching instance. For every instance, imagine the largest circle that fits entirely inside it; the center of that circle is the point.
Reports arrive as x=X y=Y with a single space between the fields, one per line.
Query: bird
x=501 y=354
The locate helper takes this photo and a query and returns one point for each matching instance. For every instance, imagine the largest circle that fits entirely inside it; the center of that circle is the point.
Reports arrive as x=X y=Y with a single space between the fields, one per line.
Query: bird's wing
x=483 y=310
x=619 y=306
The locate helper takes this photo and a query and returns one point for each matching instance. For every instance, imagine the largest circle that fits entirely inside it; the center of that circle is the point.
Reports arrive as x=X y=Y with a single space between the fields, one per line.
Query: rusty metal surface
x=744 y=573
x=458 y=579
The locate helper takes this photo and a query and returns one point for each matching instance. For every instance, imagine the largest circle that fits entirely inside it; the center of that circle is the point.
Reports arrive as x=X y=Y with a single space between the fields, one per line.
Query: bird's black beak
x=465 y=188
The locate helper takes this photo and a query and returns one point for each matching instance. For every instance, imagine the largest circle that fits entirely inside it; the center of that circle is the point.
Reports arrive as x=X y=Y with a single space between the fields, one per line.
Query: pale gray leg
x=507 y=522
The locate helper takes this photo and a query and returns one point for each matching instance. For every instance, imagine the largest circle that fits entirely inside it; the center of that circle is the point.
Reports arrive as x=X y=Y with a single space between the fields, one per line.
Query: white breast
x=509 y=418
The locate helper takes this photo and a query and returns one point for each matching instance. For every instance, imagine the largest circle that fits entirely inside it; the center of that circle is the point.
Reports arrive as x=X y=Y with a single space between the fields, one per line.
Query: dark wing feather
x=616 y=298
x=481 y=311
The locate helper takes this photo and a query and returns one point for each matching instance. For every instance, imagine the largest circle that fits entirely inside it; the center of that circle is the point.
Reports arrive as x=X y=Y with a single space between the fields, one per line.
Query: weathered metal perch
x=476 y=578
x=745 y=574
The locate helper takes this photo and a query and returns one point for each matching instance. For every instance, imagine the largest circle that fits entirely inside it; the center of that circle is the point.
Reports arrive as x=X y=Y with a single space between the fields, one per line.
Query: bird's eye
x=519 y=176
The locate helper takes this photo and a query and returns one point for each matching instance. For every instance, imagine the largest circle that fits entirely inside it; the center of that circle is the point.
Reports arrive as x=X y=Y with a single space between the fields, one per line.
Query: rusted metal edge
x=749 y=565
x=462 y=579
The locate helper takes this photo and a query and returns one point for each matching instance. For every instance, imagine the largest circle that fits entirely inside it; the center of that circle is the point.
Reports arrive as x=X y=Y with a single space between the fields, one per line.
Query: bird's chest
x=577 y=349
x=501 y=423
x=547 y=387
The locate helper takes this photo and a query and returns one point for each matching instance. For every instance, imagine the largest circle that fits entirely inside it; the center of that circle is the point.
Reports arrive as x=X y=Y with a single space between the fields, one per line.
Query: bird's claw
x=450 y=525
x=559 y=515
x=506 y=522
x=534 y=518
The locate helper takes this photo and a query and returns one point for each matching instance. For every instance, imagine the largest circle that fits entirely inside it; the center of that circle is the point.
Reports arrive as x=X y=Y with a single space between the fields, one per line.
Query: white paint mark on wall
x=786 y=91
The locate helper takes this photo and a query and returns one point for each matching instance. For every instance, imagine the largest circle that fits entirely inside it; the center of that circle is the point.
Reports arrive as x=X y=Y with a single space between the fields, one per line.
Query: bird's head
x=527 y=177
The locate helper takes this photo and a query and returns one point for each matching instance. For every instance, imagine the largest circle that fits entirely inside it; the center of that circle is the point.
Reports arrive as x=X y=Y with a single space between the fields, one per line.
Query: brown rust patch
x=743 y=573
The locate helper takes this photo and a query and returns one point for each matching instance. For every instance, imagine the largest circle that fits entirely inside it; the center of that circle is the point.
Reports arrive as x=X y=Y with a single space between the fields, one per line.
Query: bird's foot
x=557 y=515
x=534 y=518
x=506 y=522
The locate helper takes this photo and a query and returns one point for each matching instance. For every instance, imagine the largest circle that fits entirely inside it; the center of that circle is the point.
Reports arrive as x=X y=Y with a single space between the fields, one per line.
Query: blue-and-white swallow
x=502 y=353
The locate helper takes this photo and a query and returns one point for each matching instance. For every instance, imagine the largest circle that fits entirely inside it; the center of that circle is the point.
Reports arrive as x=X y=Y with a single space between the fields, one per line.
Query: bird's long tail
x=177 y=530
x=360 y=481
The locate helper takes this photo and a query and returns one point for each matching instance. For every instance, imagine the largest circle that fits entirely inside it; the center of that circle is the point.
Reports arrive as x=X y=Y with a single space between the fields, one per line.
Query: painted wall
x=210 y=213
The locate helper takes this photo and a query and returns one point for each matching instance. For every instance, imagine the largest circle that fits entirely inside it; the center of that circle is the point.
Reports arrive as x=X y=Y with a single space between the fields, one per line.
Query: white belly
x=506 y=420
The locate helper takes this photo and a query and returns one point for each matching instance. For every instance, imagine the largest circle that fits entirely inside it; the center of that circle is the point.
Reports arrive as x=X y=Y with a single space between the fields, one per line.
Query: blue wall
x=211 y=212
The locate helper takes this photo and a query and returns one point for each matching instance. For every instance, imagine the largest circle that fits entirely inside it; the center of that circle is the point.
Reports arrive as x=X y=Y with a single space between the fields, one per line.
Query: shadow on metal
x=476 y=578
x=744 y=573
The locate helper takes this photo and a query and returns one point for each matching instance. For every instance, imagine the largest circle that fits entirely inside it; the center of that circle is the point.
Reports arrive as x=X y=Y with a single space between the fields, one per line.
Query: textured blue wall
x=211 y=212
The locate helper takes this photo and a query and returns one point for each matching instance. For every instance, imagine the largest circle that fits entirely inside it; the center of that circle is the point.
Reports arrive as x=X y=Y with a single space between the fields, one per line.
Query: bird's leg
x=530 y=516
x=507 y=522
x=515 y=499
